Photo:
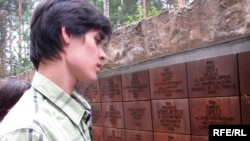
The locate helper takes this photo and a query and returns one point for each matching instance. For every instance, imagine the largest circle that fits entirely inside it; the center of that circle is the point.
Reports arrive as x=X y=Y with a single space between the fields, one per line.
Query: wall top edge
x=238 y=45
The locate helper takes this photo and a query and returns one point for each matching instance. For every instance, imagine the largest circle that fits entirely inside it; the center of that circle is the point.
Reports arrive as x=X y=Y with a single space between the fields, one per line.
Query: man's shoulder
x=23 y=115
x=16 y=125
x=22 y=134
x=20 y=116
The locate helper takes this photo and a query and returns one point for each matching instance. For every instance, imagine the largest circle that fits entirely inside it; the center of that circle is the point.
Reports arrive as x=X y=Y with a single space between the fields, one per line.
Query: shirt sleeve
x=23 y=135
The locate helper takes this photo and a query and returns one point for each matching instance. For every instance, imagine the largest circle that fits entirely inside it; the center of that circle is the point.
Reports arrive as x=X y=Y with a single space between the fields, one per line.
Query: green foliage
x=125 y=12
x=26 y=65
x=117 y=13
x=139 y=14
x=98 y=4
x=153 y=12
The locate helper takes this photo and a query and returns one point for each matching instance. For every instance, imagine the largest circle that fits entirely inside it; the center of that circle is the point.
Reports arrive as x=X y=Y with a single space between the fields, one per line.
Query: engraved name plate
x=199 y=138
x=138 y=113
x=171 y=115
x=245 y=107
x=213 y=77
x=213 y=111
x=97 y=133
x=114 y=134
x=168 y=82
x=244 y=72
x=170 y=137
x=136 y=135
x=136 y=86
x=96 y=109
x=112 y=113
x=91 y=92
x=111 y=88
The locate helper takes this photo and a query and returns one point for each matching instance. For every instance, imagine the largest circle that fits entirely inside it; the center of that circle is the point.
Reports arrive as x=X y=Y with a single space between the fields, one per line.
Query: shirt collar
x=74 y=106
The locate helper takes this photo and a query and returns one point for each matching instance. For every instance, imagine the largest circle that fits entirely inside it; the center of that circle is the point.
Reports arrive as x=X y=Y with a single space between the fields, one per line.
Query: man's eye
x=98 y=41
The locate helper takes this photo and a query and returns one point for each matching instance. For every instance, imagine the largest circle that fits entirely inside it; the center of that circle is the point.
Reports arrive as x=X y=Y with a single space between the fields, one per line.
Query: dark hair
x=11 y=91
x=78 y=16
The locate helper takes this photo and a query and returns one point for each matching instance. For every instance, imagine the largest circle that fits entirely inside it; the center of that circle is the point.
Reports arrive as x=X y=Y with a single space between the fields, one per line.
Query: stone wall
x=170 y=77
x=166 y=100
x=202 y=23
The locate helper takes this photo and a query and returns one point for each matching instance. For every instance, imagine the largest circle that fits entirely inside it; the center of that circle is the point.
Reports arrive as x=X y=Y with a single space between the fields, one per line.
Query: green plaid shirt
x=47 y=113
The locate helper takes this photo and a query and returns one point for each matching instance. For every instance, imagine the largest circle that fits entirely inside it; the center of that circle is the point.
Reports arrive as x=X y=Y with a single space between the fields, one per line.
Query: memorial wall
x=165 y=100
x=171 y=98
x=169 y=77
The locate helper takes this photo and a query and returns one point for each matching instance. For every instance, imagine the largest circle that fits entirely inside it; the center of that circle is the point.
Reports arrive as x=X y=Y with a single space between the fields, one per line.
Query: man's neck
x=57 y=73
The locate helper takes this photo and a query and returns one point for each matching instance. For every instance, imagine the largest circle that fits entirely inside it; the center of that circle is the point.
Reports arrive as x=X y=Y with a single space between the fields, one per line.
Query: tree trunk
x=10 y=40
x=20 y=9
x=3 y=73
x=106 y=8
x=144 y=6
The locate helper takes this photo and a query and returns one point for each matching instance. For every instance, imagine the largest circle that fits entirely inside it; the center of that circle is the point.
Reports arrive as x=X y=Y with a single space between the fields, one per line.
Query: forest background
x=15 y=18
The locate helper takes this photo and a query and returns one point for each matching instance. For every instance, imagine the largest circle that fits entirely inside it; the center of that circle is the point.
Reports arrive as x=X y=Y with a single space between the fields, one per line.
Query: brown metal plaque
x=168 y=82
x=170 y=137
x=135 y=86
x=138 y=113
x=245 y=107
x=91 y=92
x=171 y=115
x=97 y=133
x=244 y=72
x=112 y=113
x=213 y=111
x=135 y=135
x=213 y=77
x=114 y=134
x=96 y=110
x=111 y=88
x=199 y=138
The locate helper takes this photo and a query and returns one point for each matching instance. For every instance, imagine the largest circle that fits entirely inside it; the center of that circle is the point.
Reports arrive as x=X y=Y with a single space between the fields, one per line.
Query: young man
x=66 y=38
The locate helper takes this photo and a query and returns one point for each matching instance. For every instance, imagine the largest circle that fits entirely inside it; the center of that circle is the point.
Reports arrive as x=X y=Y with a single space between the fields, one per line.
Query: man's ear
x=65 y=37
